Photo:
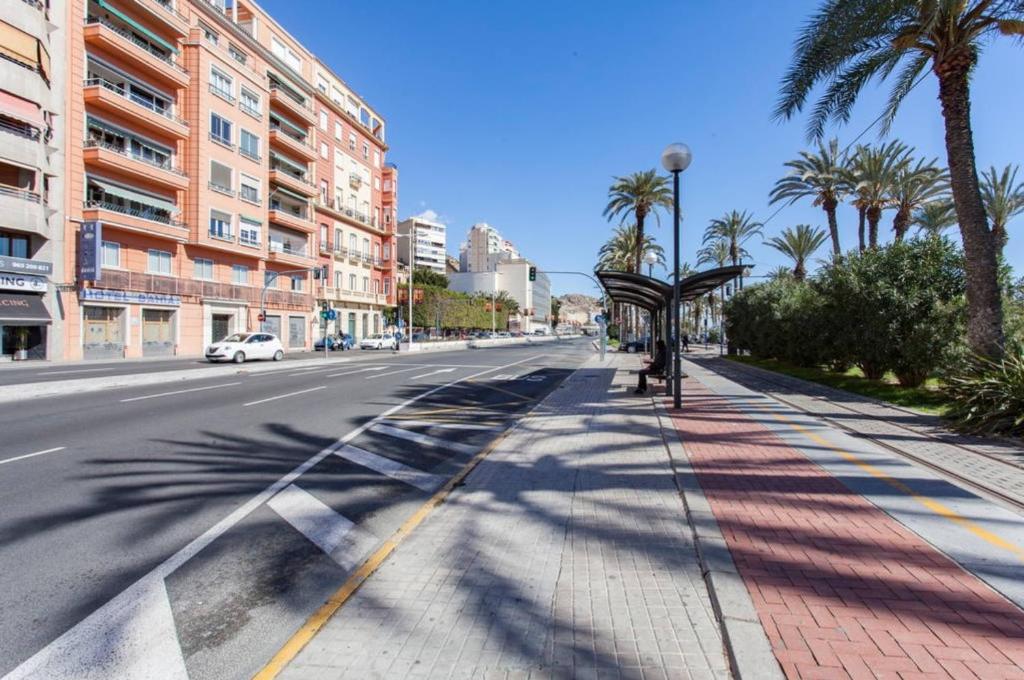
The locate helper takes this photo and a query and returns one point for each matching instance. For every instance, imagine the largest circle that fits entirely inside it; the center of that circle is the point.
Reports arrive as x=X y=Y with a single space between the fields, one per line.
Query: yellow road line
x=933 y=505
x=315 y=622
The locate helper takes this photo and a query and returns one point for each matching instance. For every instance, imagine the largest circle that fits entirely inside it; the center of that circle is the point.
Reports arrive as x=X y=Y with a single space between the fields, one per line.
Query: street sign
x=332 y=315
x=261 y=317
x=598 y=318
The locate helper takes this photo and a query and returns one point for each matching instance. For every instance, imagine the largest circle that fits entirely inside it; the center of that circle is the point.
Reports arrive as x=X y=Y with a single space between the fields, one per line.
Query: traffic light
x=533 y=273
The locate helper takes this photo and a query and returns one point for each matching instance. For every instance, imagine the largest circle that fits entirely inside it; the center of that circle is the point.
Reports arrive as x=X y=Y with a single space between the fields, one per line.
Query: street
x=193 y=527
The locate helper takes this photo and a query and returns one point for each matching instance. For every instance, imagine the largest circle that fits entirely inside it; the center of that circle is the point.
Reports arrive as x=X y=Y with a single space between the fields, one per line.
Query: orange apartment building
x=192 y=133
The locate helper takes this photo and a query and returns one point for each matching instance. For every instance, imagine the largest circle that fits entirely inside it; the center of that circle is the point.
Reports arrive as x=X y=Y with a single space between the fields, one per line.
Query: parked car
x=240 y=347
x=634 y=346
x=340 y=343
x=504 y=334
x=379 y=341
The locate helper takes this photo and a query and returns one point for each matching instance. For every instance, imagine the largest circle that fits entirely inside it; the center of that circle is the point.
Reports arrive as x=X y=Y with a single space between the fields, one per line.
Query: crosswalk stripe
x=446 y=424
x=425 y=439
x=424 y=481
x=333 y=533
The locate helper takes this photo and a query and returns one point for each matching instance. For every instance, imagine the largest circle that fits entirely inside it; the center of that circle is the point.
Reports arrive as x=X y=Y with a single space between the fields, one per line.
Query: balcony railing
x=221 y=189
x=152 y=214
x=23 y=194
x=348 y=212
x=280 y=167
x=142 y=44
x=277 y=88
x=168 y=6
x=127 y=153
x=21 y=129
x=169 y=285
x=291 y=135
x=290 y=212
x=252 y=111
x=223 y=94
x=277 y=247
x=121 y=92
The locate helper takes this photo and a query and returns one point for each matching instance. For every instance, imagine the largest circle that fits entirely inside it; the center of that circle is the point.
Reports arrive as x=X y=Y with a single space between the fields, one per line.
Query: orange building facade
x=194 y=192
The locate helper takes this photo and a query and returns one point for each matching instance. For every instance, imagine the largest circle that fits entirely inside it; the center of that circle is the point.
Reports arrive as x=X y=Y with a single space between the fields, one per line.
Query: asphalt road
x=199 y=524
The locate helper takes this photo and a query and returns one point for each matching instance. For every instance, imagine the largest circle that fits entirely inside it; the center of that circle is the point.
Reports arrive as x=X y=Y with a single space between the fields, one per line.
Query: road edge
x=745 y=641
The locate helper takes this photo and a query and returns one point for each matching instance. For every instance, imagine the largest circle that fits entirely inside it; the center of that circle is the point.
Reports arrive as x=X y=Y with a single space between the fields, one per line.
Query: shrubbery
x=898 y=308
x=988 y=397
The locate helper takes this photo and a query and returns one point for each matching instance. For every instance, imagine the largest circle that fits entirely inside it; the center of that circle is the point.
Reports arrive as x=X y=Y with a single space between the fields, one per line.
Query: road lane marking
x=358 y=370
x=119 y=614
x=424 y=481
x=333 y=533
x=424 y=439
x=285 y=396
x=77 y=370
x=168 y=394
x=447 y=424
x=426 y=375
x=32 y=455
x=384 y=375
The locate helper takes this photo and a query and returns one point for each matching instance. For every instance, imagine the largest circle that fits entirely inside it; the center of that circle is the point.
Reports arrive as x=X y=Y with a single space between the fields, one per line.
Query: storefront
x=117 y=323
x=23 y=326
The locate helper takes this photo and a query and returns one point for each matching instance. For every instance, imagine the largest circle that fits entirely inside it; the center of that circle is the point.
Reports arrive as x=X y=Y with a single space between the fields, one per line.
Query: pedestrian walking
x=686 y=342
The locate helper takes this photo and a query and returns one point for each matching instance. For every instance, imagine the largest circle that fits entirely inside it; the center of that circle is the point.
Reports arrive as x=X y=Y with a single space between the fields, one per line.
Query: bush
x=987 y=397
x=779 y=319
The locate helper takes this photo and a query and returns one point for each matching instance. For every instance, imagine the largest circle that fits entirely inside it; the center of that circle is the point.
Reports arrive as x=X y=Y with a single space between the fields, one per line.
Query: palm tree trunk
x=874 y=215
x=984 y=305
x=639 y=241
x=833 y=225
x=860 y=226
x=900 y=224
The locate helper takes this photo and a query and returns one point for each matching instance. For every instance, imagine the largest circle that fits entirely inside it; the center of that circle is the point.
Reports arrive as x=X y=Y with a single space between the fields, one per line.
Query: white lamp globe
x=651 y=258
x=676 y=157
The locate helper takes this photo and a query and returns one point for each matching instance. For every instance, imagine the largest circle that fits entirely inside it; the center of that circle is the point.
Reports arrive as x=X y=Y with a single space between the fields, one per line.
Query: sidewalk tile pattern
x=565 y=555
x=841 y=588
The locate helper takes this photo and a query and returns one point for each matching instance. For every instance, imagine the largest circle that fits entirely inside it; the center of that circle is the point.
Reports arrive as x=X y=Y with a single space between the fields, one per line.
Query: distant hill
x=579 y=301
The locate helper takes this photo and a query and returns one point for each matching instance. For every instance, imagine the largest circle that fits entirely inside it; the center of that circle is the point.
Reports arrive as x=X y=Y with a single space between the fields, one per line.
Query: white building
x=428 y=245
x=484 y=248
x=512 y=276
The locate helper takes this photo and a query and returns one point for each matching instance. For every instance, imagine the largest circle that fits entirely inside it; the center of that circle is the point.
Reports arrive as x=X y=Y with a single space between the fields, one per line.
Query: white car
x=378 y=341
x=240 y=347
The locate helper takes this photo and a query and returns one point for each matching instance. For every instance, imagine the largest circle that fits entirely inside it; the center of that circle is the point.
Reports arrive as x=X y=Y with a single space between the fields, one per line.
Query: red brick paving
x=842 y=589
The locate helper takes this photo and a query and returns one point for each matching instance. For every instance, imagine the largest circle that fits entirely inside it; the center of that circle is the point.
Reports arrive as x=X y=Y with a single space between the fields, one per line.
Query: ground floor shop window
x=104 y=334
x=366 y=325
x=296 y=332
x=273 y=325
x=376 y=324
x=352 y=324
x=157 y=332
x=22 y=342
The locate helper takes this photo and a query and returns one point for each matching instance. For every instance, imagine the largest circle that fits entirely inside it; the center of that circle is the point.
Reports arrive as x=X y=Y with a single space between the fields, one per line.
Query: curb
x=746 y=644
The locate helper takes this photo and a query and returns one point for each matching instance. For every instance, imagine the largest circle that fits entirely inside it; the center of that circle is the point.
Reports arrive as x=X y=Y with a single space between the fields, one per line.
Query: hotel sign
x=21 y=265
x=25 y=283
x=90 y=238
x=124 y=296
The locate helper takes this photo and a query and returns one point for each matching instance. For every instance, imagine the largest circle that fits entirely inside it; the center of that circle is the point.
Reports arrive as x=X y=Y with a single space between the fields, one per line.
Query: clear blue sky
x=519 y=113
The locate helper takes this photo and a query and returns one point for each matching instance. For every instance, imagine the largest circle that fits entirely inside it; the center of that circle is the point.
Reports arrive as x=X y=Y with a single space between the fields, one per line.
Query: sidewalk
x=829 y=537
x=565 y=554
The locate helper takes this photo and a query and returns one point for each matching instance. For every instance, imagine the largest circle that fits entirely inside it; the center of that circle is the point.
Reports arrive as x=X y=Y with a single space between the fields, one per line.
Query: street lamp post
x=651 y=258
x=675 y=158
x=412 y=260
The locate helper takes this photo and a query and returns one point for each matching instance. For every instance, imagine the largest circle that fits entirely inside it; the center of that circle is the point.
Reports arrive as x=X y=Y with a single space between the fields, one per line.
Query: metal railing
x=170 y=285
x=250 y=110
x=151 y=214
x=274 y=87
x=21 y=129
x=276 y=247
x=127 y=153
x=125 y=34
x=23 y=194
x=221 y=189
x=221 y=140
x=287 y=212
x=167 y=6
x=223 y=94
x=220 y=235
x=348 y=212
x=121 y=92
x=274 y=127
x=280 y=167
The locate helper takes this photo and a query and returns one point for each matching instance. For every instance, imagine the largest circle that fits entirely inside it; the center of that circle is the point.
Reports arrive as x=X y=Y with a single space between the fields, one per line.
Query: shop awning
x=133 y=195
x=21 y=109
x=137 y=26
x=23 y=308
x=20 y=46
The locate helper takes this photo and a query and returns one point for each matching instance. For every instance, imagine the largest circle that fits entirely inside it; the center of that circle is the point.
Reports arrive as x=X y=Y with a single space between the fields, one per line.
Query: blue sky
x=519 y=113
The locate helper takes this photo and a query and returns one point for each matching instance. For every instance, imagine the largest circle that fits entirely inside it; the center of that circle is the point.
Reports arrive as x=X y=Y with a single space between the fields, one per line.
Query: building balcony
x=296 y=184
x=285 y=142
x=23 y=210
x=103 y=95
x=299 y=257
x=171 y=285
x=142 y=221
x=381 y=265
x=99 y=154
x=355 y=181
x=164 y=12
x=22 y=144
x=115 y=40
x=357 y=296
x=350 y=215
x=287 y=218
x=286 y=101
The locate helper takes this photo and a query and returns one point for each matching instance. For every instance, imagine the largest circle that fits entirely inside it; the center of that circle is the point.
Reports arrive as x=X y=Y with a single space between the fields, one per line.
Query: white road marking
x=447 y=425
x=424 y=481
x=424 y=439
x=383 y=375
x=335 y=534
x=32 y=455
x=168 y=394
x=284 y=396
x=77 y=370
x=138 y=657
x=425 y=375
x=358 y=370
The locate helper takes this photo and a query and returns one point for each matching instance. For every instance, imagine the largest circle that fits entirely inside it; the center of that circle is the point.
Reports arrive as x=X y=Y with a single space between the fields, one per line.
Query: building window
x=110 y=254
x=353 y=244
x=323 y=120
x=376 y=159
x=387 y=252
x=351 y=281
x=325 y=151
x=376 y=183
x=338 y=280
x=249 y=102
x=338 y=133
x=387 y=285
x=297 y=283
x=321 y=83
x=366 y=247
x=220 y=225
x=366 y=151
x=222 y=85
x=325 y=191
x=269 y=277
x=240 y=274
x=249 y=189
x=237 y=54
x=286 y=54
x=159 y=262
x=338 y=238
x=351 y=142
x=249 y=145
x=204 y=269
x=366 y=284
x=323 y=235
x=221 y=178
x=376 y=287
x=220 y=129
x=249 y=231
x=209 y=33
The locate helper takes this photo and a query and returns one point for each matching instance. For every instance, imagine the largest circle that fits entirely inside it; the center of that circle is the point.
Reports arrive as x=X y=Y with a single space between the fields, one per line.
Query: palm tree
x=619 y=252
x=817 y=176
x=735 y=228
x=641 y=194
x=873 y=172
x=914 y=187
x=780 y=272
x=848 y=43
x=716 y=252
x=1003 y=199
x=798 y=245
x=935 y=217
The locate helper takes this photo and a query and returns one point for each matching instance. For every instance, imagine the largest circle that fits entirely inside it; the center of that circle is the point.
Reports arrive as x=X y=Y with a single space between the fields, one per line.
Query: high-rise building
x=215 y=162
x=427 y=242
x=32 y=257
